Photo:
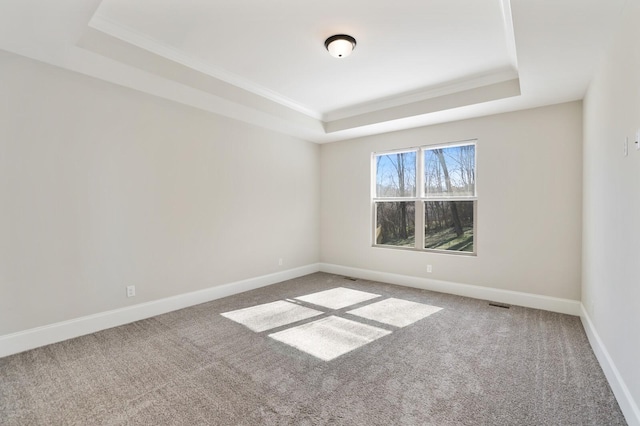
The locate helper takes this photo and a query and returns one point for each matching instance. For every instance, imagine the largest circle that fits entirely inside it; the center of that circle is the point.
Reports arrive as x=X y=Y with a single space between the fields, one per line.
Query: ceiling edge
x=471 y=82
x=122 y=52
x=473 y=96
x=115 y=29
x=510 y=37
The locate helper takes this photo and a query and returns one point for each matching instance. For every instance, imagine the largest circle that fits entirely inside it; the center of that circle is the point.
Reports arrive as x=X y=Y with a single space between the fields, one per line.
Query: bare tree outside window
x=443 y=230
x=396 y=224
x=449 y=173
x=396 y=178
x=442 y=197
x=396 y=175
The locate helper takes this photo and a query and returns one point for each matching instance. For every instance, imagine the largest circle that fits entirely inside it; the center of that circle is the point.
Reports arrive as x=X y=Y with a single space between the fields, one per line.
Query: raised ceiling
x=416 y=63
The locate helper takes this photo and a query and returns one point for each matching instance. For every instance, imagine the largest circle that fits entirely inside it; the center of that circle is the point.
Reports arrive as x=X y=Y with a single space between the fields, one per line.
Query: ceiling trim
x=108 y=26
x=115 y=29
x=124 y=53
x=477 y=90
x=507 y=17
x=471 y=82
x=491 y=92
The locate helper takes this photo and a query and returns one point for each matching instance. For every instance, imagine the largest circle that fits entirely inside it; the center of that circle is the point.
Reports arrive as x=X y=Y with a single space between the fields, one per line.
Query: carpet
x=448 y=360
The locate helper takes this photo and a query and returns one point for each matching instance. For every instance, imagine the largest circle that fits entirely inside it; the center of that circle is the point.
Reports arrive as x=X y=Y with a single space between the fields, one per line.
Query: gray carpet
x=467 y=364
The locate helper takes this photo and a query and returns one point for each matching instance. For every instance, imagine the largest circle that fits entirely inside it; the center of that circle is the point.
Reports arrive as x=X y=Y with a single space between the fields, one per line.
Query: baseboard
x=553 y=304
x=628 y=406
x=29 y=339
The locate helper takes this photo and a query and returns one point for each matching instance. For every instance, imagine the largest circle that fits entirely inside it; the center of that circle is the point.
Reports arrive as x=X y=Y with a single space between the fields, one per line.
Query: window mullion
x=419 y=207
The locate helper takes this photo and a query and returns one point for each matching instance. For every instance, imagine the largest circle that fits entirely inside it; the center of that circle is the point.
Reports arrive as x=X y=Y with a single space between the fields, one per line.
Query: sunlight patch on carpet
x=330 y=337
x=337 y=298
x=395 y=312
x=271 y=315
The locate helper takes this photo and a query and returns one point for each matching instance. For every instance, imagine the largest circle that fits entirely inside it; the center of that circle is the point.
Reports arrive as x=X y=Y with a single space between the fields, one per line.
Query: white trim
x=507 y=19
x=57 y=332
x=628 y=406
x=453 y=144
x=529 y=300
x=122 y=32
x=107 y=25
x=396 y=151
x=425 y=93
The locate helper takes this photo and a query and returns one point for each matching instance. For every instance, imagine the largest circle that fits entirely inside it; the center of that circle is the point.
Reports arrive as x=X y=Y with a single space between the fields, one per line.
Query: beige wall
x=611 y=265
x=103 y=187
x=529 y=171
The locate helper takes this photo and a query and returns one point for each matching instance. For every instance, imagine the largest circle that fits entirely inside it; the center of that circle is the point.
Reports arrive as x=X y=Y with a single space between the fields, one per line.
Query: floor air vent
x=499 y=305
x=350 y=278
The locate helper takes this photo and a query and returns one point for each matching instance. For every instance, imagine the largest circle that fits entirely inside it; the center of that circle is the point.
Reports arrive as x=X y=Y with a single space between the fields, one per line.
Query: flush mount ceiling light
x=340 y=45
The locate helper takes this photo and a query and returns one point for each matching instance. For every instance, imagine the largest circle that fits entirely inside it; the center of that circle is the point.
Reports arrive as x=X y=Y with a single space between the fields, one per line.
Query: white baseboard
x=553 y=304
x=60 y=331
x=628 y=406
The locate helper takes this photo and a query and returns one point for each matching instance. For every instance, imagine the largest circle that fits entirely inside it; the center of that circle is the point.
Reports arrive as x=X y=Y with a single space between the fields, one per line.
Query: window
x=425 y=198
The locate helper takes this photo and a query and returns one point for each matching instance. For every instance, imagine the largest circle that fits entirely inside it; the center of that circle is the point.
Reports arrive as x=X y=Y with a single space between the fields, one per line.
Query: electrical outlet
x=131 y=290
x=280 y=262
x=625 y=146
x=429 y=269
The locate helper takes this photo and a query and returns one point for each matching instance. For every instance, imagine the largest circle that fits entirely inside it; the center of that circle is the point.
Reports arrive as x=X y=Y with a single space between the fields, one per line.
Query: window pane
x=450 y=171
x=395 y=223
x=448 y=225
x=396 y=175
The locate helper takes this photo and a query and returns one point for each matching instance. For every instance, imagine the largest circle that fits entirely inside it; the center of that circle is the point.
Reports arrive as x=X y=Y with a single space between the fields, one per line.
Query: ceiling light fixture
x=340 y=45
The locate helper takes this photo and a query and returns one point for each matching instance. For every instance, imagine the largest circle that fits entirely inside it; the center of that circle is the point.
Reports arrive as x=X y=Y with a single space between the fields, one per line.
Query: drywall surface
x=611 y=271
x=529 y=172
x=102 y=187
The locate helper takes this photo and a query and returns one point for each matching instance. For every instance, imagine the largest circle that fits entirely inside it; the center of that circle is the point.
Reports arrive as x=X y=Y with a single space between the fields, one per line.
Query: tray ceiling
x=416 y=62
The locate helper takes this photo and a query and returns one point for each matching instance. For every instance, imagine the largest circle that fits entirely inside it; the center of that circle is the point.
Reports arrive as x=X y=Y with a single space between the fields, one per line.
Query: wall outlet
x=429 y=269
x=280 y=262
x=625 y=147
x=131 y=290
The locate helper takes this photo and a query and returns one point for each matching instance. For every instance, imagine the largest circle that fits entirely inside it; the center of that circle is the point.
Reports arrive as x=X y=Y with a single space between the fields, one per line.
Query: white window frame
x=421 y=197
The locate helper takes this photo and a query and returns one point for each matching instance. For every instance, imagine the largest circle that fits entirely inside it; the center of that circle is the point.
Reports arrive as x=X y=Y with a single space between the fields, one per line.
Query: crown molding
x=110 y=27
x=448 y=88
x=318 y=127
x=476 y=95
x=115 y=29
x=507 y=18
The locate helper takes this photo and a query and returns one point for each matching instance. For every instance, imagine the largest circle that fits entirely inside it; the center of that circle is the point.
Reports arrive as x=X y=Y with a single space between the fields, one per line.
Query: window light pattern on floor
x=332 y=336
x=397 y=312
x=338 y=298
x=271 y=315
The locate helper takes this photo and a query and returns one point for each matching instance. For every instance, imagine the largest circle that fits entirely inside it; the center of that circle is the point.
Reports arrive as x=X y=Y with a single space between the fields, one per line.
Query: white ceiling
x=417 y=62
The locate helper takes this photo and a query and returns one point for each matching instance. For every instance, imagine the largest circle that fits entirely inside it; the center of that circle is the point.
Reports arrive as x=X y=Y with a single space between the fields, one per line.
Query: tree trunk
x=457 y=226
x=403 y=206
x=403 y=220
